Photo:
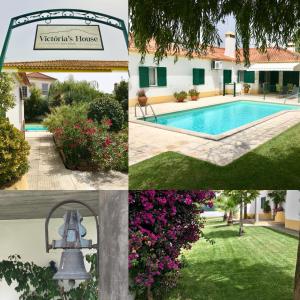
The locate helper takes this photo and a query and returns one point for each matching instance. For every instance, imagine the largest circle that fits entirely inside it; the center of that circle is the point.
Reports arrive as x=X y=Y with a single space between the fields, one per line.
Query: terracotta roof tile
x=38 y=75
x=215 y=53
x=68 y=65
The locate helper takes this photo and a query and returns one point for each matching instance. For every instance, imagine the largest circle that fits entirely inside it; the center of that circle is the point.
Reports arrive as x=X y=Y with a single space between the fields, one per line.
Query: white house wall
x=179 y=77
x=27 y=239
x=292 y=209
x=16 y=114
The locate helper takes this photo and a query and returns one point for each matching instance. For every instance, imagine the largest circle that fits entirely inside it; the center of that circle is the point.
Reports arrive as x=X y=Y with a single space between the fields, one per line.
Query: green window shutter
x=144 y=77
x=198 y=76
x=227 y=76
x=239 y=76
x=161 y=76
x=249 y=76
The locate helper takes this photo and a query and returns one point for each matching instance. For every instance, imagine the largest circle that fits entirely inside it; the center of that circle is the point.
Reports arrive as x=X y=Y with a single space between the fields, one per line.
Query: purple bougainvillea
x=161 y=224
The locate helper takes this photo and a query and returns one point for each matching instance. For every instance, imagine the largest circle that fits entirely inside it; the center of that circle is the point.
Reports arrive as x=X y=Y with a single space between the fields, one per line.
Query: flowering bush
x=161 y=224
x=87 y=144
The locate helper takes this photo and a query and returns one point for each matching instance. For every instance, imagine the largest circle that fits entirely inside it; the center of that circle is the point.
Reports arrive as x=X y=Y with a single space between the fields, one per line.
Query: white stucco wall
x=16 y=114
x=38 y=83
x=179 y=75
x=292 y=205
x=251 y=206
x=27 y=238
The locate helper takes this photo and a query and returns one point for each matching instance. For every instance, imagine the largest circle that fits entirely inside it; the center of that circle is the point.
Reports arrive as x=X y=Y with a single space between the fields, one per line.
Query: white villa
x=209 y=72
x=23 y=82
x=16 y=114
x=40 y=81
x=290 y=216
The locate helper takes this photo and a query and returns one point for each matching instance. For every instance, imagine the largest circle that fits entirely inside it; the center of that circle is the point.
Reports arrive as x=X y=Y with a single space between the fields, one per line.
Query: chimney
x=230 y=44
x=291 y=47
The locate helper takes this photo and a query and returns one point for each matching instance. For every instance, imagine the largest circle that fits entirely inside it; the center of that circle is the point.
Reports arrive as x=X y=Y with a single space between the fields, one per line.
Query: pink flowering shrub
x=87 y=144
x=161 y=224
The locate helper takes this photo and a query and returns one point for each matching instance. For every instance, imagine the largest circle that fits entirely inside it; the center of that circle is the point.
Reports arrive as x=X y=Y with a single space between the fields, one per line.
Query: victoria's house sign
x=68 y=37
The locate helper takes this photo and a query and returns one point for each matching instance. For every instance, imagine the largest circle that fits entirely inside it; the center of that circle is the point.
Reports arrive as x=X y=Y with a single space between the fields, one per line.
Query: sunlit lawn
x=259 y=265
x=274 y=165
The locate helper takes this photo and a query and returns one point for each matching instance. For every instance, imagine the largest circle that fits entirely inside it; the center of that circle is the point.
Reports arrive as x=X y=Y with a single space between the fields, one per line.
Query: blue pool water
x=35 y=127
x=220 y=118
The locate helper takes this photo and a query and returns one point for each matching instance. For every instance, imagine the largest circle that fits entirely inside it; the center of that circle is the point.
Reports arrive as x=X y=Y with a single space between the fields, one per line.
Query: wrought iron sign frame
x=54 y=14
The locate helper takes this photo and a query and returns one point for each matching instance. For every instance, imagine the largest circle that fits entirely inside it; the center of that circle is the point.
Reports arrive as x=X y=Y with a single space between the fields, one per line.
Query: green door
x=227 y=76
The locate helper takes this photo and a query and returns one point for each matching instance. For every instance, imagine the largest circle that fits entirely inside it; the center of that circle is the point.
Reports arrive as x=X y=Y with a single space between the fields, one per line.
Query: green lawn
x=259 y=265
x=274 y=165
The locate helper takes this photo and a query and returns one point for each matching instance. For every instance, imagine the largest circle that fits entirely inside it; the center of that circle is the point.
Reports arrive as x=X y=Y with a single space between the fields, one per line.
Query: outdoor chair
x=293 y=94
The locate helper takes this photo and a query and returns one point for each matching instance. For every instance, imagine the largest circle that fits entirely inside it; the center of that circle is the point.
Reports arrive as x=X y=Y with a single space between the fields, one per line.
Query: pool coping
x=216 y=137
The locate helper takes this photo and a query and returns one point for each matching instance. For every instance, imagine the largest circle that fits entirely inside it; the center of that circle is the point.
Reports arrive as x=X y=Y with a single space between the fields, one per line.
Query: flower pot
x=142 y=100
x=180 y=99
x=246 y=90
x=194 y=98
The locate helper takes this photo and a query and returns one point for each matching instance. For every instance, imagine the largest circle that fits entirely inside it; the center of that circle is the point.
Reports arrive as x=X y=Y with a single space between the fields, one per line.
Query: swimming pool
x=35 y=127
x=221 y=118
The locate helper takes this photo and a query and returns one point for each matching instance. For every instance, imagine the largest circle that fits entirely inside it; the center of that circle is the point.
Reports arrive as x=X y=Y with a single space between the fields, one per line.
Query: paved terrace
x=147 y=141
x=47 y=171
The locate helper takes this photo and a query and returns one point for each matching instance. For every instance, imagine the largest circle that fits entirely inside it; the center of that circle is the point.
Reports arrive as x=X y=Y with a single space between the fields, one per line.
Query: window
x=24 y=92
x=152 y=76
x=198 y=76
x=262 y=202
x=246 y=76
x=45 y=89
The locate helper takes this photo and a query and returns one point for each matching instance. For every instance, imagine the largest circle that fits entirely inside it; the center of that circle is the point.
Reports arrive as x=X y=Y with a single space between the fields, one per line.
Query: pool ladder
x=142 y=111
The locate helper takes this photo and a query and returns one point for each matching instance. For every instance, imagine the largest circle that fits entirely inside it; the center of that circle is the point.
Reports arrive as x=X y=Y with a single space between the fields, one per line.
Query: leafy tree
x=162 y=223
x=193 y=25
x=35 y=105
x=121 y=94
x=277 y=196
x=241 y=198
x=71 y=91
x=36 y=283
x=7 y=100
x=229 y=206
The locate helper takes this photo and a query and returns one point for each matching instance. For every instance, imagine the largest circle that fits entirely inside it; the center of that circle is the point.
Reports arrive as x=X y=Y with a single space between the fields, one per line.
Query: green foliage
x=35 y=106
x=71 y=92
x=121 y=94
x=241 y=196
x=193 y=25
x=36 y=283
x=7 y=100
x=106 y=107
x=74 y=113
x=277 y=196
x=14 y=151
x=180 y=95
x=86 y=144
x=267 y=207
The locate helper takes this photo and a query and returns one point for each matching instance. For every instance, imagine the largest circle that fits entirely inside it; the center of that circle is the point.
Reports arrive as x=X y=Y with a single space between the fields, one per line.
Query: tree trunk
x=241 y=231
x=225 y=217
x=297 y=275
x=245 y=212
x=229 y=220
x=149 y=294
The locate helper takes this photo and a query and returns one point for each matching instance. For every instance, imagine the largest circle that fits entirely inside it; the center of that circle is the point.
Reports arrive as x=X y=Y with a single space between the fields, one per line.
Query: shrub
x=71 y=92
x=107 y=108
x=13 y=153
x=7 y=100
x=181 y=95
x=161 y=224
x=121 y=94
x=35 y=106
x=73 y=114
x=88 y=145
